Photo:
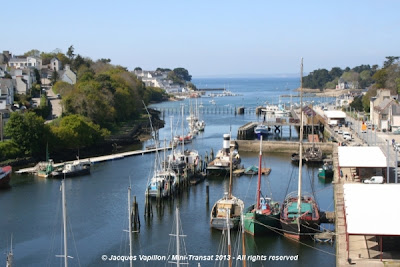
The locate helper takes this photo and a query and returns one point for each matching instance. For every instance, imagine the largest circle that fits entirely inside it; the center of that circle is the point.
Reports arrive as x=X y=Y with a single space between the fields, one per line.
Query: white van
x=374 y=180
x=347 y=136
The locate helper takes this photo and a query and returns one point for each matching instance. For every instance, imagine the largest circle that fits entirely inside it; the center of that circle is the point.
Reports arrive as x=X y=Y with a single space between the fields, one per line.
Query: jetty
x=94 y=160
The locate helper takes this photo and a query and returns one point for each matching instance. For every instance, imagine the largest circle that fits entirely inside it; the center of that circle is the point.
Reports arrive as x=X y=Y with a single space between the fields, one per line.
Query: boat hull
x=81 y=172
x=5 y=177
x=307 y=228
x=260 y=224
x=221 y=223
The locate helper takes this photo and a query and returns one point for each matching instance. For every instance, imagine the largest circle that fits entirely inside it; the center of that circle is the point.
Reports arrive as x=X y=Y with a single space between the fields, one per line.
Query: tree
x=32 y=53
x=335 y=72
x=182 y=74
x=76 y=131
x=37 y=76
x=28 y=131
x=54 y=77
x=138 y=69
x=389 y=61
x=70 y=53
x=380 y=78
x=357 y=104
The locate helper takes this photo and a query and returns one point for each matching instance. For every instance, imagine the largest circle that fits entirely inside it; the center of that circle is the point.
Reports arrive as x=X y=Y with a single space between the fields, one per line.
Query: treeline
x=357 y=77
x=104 y=98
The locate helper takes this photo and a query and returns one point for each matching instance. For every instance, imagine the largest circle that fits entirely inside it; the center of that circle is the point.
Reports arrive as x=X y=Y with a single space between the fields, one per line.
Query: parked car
x=340 y=132
x=374 y=180
x=397 y=131
x=347 y=136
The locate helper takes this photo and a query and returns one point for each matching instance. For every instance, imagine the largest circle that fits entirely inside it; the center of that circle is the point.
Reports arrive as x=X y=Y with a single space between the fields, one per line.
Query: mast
x=64 y=211
x=229 y=238
x=183 y=135
x=230 y=172
x=243 y=240
x=10 y=255
x=130 y=226
x=259 y=176
x=177 y=237
x=301 y=139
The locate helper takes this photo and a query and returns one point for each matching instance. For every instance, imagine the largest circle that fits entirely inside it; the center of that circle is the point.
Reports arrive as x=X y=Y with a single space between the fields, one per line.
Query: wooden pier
x=95 y=160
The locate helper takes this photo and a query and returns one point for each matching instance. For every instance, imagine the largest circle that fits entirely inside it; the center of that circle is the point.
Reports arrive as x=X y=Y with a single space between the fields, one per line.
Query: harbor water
x=97 y=210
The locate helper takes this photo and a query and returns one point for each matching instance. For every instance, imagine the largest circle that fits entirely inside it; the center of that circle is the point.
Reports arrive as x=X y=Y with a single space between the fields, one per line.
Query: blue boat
x=261 y=130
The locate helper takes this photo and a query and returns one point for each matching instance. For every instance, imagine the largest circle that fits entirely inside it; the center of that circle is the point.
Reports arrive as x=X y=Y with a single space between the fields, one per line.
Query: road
x=370 y=138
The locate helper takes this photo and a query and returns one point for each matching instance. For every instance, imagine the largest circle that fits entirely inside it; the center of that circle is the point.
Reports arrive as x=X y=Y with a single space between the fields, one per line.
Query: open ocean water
x=97 y=203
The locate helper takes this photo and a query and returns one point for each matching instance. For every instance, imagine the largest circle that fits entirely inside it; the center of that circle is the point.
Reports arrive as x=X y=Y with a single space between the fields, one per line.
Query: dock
x=99 y=159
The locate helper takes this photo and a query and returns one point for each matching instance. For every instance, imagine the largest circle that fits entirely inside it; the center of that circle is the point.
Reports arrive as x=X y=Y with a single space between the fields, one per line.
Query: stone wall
x=279 y=146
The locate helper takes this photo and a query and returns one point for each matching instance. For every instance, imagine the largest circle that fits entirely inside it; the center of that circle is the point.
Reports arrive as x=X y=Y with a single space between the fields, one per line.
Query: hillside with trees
x=105 y=100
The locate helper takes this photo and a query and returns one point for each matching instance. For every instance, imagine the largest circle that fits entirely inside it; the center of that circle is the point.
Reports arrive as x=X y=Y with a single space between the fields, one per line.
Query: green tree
x=70 y=53
x=357 y=104
x=389 y=61
x=380 y=78
x=32 y=53
x=75 y=131
x=37 y=76
x=182 y=74
x=335 y=72
x=54 y=77
x=28 y=131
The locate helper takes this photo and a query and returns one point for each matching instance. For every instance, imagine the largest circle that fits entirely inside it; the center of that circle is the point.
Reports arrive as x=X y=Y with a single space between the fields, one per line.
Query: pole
x=395 y=166
x=301 y=139
x=177 y=238
x=130 y=226
x=387 y=162
x=64 y=211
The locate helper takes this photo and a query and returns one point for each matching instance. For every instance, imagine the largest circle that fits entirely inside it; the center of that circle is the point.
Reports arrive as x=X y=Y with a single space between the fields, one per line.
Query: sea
x=97 y=204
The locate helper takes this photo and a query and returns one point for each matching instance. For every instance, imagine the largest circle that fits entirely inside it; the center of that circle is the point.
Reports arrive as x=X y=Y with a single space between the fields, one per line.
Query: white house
x=25 y=62
x=55 y=64
x=377 y=109
x=24 y=78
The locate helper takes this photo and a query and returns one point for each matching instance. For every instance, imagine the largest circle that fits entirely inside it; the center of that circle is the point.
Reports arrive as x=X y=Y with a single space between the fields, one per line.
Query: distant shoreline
x=328 y=92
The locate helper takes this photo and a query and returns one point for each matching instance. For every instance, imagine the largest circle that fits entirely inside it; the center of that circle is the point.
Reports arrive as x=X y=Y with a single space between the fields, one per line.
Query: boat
x=263 y=216
x=276 y=110
x=177 y=246
x=195 y=124
x=252 y=170
x=5 y=176
x=222 y=162
x=299 y=212
x=261 y=130
x=326 y=172
x=313 y=154
x=72 y=169
x=226 y=212
x=324 y=237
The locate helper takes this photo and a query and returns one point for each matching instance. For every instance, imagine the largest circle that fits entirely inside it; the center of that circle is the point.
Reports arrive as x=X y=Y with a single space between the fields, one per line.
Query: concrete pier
x=279 y=146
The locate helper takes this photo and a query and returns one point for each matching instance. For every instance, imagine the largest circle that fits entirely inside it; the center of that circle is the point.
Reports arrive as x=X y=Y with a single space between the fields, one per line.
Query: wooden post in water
x=135 y=216
x=207 y=193
x=158 y=196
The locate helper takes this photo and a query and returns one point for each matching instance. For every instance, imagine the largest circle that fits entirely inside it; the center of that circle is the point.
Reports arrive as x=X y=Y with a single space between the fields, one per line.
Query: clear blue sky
x=209 y=38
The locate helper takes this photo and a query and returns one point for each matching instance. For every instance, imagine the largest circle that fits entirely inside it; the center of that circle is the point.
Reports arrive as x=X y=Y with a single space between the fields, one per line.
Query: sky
x=216 y=38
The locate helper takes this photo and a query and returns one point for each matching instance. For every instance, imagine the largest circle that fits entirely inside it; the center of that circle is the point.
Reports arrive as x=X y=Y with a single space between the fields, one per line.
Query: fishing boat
x=72 y=169
x=222 y=162
x=326 y=172
x=226 y=212
x=300 y=213
x=263 y=216
x=5 y=176
x=276 y=110
x=195 y=123
x=313 y=154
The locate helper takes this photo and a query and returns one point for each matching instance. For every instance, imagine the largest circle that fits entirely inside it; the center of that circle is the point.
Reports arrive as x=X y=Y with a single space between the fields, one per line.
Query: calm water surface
x=97 y=203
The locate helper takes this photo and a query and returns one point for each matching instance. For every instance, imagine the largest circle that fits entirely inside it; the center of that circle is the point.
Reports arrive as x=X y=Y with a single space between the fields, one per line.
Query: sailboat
x=264 y=215
x=230 y=206
x=300 y=213
x=180 y=256
x=313 y=154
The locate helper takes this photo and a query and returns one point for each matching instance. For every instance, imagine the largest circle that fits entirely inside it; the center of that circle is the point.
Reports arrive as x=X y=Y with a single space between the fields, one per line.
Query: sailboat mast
x=301 y=139
x=229 y=238
x=64 y=211
x=183 y=135
x=130 y=226
x=259 y=175
x=177 y=238
x=230 y=173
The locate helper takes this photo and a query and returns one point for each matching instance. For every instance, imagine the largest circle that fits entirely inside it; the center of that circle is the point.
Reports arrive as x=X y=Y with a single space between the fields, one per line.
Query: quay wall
x=279 y=146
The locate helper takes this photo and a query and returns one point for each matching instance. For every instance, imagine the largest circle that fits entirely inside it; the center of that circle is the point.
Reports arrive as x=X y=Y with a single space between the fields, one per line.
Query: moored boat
x=326 y=172
x=300 y=213
x=261 y=130
x=263 y=216
x=222 y=161
x=226 y=212
x=5 y=176
x=72 y=169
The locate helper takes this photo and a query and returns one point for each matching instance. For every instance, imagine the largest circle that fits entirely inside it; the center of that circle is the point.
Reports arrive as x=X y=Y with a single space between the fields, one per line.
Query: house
x=67 y=75
x=6 y=93
x=23 y=78
x=21 y=62
x=55 y=64
x=379 y=108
